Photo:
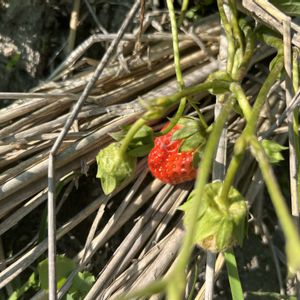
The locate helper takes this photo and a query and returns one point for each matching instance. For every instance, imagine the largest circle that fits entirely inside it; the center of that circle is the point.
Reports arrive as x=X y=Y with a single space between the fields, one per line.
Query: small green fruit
x=218 y=227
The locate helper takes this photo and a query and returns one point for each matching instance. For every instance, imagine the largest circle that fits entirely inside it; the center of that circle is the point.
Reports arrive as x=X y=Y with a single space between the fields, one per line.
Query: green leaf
x=233 y=275
x=270 y=37
x=82 y=282
x=192 y=143
x=273 y=151
x=64 y=267
x=140 y=151
x=32 y=282
x=289 y=7
x=145 y=132
x=113 y=168
x=71 y=296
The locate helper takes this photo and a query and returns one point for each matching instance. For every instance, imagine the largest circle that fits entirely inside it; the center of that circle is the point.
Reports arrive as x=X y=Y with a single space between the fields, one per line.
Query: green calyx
x=141 y=143
x=219 y=227
x=114 y=168
x=192 y=133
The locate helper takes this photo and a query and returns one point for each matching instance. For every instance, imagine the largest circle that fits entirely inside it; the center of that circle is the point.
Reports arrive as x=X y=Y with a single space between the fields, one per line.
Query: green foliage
x=218 y=227
x=270 y=37
x=233 y=276
x=273 y=151
x=82 y=282
x=31 y=283
x=141 y=143
x=289 y=7
x=192 y=132
x=114 y=168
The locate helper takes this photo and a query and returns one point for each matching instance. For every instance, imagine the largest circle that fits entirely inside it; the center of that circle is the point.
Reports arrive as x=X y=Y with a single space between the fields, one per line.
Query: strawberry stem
x=288 y=227
x=174 y=120
x=130 y=134
x=237 y=90
x=249 y=131
x=229 y=35
x=178 y=72
x=202 y=178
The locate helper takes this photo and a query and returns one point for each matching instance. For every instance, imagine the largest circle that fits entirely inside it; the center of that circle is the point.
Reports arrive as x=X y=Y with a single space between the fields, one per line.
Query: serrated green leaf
x=144 y=132
x=64 y=267
x=289 y=7
x=273 y=151
x=81 y=285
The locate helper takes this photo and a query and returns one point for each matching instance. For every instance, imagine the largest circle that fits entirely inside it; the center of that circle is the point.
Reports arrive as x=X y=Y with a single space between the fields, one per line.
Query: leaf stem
x=233 y=275
x=154 y=287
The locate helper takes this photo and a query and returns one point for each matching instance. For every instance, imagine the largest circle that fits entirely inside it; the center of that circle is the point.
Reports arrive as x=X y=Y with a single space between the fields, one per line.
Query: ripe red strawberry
x=171 y=159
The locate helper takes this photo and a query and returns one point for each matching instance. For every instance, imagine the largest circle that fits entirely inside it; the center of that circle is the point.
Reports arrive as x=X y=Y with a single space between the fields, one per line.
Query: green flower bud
x=218 y=227
x=113 y=168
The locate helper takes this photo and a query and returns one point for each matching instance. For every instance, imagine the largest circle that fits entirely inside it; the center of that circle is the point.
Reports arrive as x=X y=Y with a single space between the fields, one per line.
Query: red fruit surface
x=167 y=163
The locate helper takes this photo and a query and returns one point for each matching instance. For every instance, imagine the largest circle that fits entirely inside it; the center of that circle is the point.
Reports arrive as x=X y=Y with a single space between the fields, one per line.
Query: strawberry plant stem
x=242 y=141
x=295 y=118
x=248 y=51
x=178 y=72
x=262 y=95
x=130 y=134
x=184 y=7
x=202 y=178
x=239 y=93
x=175 y=44
x=229 y=35
x=235 y=25
x=152 y=288
x=175 y=119
x=288 y=227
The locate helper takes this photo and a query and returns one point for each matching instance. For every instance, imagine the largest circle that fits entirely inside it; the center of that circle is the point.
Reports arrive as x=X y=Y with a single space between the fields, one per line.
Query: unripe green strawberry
x=172 y=159
x=219 y=227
